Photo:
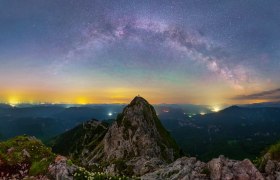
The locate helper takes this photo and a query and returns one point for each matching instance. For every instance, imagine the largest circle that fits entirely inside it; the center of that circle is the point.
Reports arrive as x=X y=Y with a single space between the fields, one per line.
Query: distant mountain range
x=136 y=145
x=47 y=120
x=264 y=104
x=237 y=131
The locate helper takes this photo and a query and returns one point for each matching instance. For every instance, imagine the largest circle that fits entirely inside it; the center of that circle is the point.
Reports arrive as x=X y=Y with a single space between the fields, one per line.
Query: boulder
x=183 y=168
x=60 y=170
x=226 y=169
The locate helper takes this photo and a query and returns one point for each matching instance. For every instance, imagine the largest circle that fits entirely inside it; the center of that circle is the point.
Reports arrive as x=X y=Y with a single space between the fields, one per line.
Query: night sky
x=201 y=52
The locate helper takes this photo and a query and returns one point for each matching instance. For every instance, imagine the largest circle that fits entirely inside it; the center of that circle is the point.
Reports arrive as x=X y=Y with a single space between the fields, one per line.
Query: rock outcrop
x=183 y=168
x=136 y=141
x=217 y=169
x=61 y=170
x=222 y=168
x=270 y=167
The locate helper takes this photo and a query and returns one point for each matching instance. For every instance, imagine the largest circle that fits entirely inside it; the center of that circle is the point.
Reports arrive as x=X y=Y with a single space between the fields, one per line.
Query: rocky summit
x=136 y=141
x=138 y=146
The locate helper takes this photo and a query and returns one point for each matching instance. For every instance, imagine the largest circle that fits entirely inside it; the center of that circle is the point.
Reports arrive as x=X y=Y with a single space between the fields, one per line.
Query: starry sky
x=191 y=51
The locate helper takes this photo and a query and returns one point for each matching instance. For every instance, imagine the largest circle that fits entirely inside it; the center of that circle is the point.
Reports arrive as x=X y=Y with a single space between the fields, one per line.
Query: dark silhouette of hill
x=237 y=132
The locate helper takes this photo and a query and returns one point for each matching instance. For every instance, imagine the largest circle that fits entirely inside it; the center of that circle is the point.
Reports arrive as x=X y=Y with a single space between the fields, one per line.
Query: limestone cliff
x=136 y=141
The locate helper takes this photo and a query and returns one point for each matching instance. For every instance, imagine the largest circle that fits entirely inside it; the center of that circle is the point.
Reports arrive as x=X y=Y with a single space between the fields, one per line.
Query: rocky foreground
x=219 y=168
x=216 y=169
x=135 y=146
x=183 y=168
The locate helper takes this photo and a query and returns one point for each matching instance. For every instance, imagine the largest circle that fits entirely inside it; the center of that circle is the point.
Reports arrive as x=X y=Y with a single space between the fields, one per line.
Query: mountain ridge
x=86 y=135
x=135 y=144
x=137 y=139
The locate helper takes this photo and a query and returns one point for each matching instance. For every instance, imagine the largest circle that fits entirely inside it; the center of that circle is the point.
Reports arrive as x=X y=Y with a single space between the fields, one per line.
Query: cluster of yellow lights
x=82 y=100
x=13 y=101
x=216 y=109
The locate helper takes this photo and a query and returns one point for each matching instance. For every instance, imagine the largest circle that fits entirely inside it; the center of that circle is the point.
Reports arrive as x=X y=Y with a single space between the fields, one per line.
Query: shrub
x=39 y=168
x=83 y=174
x=25 y=149
x=274 y=151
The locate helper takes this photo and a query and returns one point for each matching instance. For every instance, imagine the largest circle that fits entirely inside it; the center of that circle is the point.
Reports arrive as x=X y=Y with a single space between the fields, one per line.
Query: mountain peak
x=231 y=108
x=137 y=138
x=138 y=99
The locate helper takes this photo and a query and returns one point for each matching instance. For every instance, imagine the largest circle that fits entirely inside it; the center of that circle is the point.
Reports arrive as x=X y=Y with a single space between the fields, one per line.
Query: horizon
x=105 y=52
x=84 y=101
x=213 y=108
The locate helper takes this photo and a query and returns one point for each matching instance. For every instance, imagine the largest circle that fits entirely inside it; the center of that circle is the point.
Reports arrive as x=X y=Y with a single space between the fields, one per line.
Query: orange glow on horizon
x=120 y=96
x=13 y=101
x=82 y=100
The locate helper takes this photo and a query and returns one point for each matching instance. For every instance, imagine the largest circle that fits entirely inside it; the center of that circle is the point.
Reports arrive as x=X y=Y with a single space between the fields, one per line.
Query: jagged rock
x=271 y=167
x=215 y=166
x=60 y=170
x=183 y=168
x=143 y=165
x=222 y=168
x=19 y=171
x=217 y=169
x=25 y=153
x=138 y=139
x=10 y=150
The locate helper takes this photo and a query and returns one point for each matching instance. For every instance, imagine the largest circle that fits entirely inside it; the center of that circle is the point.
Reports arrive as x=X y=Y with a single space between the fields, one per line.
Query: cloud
x=267 y=95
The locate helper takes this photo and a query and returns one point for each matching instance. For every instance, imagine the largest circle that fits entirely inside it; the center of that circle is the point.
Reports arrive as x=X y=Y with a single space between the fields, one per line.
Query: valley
x=136 y=144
